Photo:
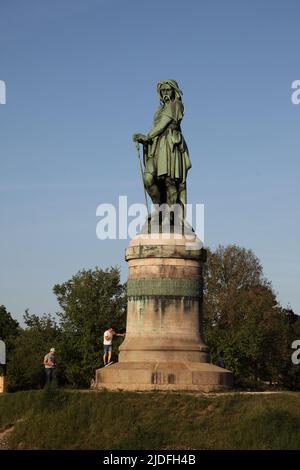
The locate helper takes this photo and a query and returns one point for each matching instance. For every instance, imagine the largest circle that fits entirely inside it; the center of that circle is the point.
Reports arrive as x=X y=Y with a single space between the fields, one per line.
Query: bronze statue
x=165 y=153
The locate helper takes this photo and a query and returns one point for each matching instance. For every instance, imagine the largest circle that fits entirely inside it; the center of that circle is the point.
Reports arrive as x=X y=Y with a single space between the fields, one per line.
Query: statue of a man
x=166 y=156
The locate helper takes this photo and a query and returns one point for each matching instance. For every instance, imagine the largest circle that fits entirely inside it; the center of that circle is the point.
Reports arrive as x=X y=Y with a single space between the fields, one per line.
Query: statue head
x=168 y=90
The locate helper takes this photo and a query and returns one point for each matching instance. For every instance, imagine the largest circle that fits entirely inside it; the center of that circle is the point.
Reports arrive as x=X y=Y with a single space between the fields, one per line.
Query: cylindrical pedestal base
x=139 y=376
x=163 y=348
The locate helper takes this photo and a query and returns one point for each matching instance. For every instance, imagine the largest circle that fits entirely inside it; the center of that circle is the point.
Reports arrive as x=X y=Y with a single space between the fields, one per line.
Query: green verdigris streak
x=164 y=287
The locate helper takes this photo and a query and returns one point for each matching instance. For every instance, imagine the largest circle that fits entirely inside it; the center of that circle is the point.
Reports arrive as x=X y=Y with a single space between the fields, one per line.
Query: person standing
x=50 y=365
x=220 y=360
x=107 y=345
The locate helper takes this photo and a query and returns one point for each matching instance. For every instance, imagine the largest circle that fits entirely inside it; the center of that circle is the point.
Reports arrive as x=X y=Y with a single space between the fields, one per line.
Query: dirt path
x=4 y=436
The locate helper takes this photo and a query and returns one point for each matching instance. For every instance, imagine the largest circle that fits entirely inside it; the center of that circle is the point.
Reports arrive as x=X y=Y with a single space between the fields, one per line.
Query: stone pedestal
x=163 y=348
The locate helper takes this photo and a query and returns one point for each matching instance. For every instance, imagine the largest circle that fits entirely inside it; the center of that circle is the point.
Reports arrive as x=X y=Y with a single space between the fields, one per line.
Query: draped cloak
x=168 y=155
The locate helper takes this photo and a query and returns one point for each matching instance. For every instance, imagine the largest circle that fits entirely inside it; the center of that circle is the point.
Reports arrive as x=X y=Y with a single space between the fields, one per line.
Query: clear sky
x=81 y=79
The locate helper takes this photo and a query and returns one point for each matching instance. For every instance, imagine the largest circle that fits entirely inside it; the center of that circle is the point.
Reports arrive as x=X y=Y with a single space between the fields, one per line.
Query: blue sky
x=81 y=79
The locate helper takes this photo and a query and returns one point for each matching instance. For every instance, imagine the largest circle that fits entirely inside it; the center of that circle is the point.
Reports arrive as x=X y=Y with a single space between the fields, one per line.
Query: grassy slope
x=120 y=420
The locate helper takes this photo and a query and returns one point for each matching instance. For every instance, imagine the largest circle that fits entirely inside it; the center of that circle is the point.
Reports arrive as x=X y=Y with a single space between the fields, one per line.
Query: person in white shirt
x=107 y=345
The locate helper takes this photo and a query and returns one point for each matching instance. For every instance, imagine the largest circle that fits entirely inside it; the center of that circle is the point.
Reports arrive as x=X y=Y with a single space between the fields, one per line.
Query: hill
x=65 y=419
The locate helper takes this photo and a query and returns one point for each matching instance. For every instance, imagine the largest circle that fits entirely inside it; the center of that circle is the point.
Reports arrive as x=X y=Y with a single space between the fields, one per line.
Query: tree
x=8 y=326
x=9 y=329
x=290 y=373
x=91 y=301
x=25 y=369
x=242 y=317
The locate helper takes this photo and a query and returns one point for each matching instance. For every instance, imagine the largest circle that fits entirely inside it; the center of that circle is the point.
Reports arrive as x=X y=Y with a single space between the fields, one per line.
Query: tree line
x=242 y=321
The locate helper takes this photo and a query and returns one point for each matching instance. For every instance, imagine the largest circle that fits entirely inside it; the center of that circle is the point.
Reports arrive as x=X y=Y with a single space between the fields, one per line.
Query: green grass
x=60 y=419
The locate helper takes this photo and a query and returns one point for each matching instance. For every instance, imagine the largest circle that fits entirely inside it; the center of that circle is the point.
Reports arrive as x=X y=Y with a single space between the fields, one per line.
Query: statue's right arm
x=159 y=126
x=141 y=138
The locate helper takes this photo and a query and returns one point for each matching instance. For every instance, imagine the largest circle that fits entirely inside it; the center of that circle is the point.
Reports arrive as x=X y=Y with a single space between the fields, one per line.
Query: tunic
x=168 y=154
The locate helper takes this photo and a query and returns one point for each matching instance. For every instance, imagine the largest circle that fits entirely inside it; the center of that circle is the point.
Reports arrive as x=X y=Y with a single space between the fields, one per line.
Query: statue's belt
x=171 y=127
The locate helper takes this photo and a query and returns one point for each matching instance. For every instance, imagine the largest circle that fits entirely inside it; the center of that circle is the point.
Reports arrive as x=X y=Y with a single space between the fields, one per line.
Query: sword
x=142 y=174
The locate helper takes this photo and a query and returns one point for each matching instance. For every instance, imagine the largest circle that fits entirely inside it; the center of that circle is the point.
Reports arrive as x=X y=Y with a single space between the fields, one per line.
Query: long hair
x=171 y=83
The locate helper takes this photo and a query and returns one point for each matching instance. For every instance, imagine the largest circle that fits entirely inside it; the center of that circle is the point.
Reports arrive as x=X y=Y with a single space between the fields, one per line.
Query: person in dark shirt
x=50 y=365
x=220 y=361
